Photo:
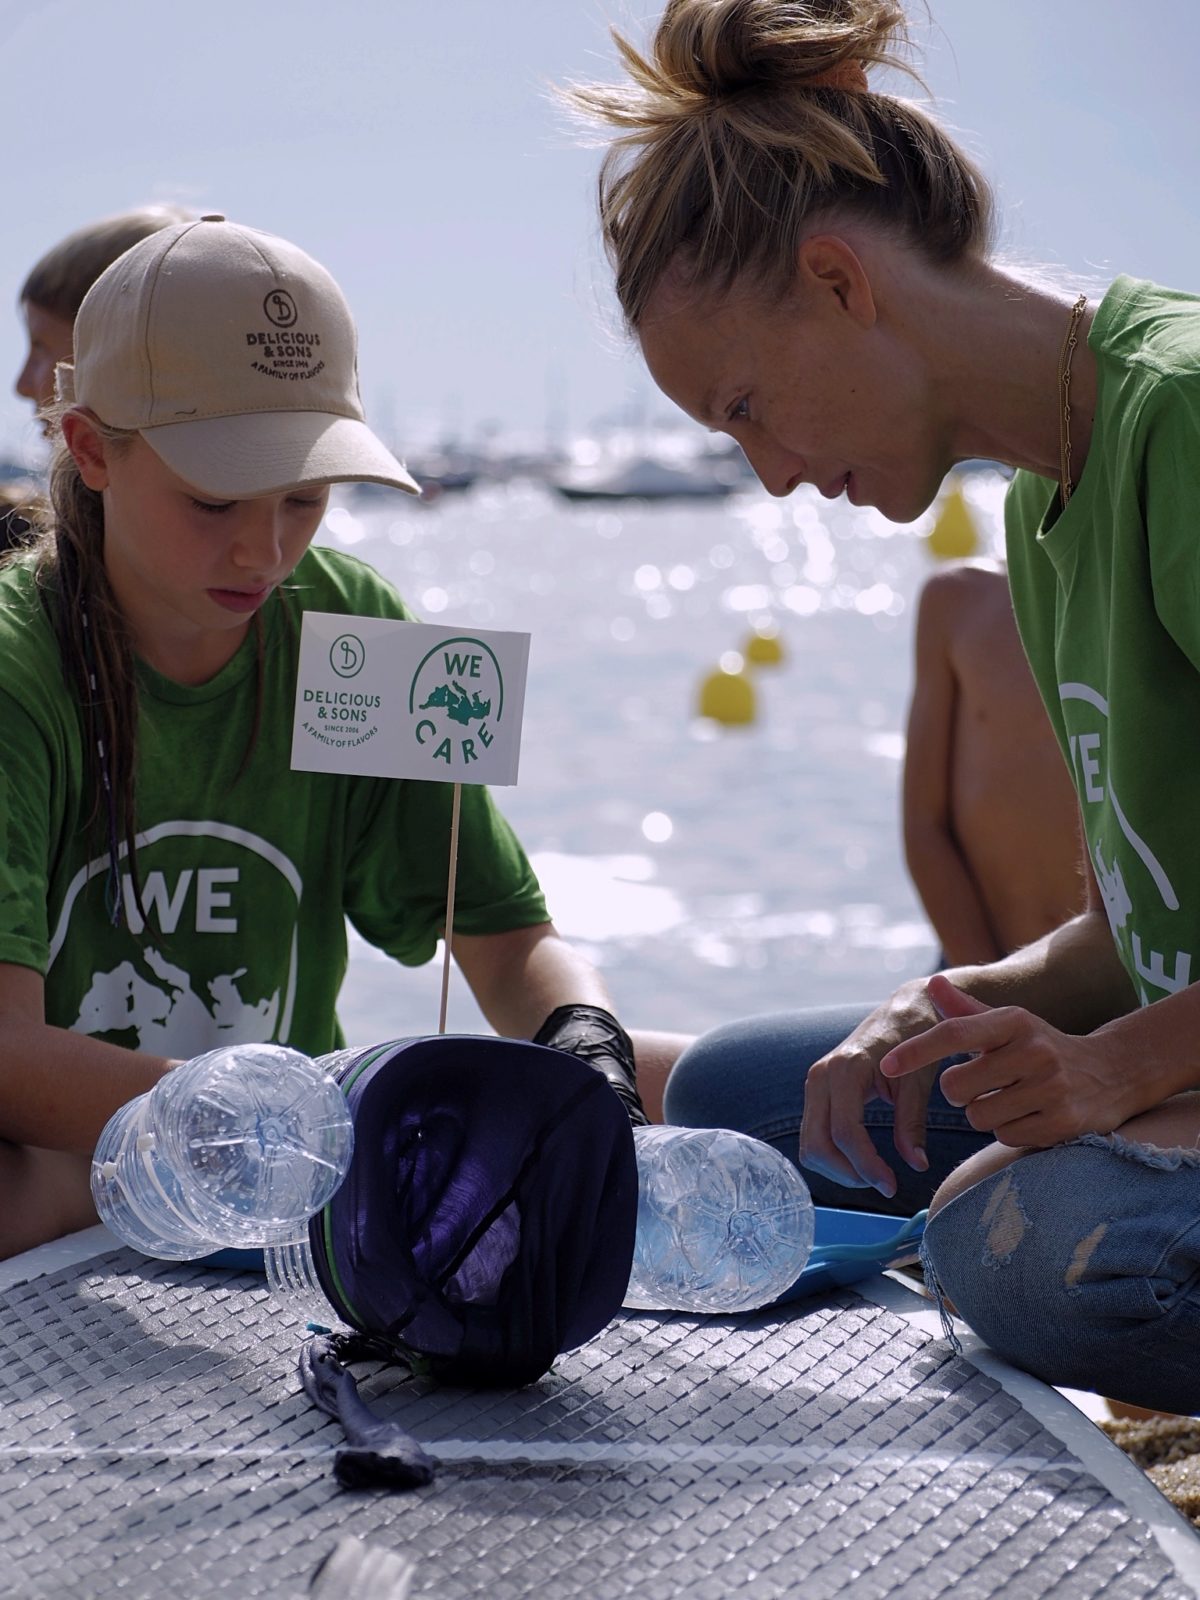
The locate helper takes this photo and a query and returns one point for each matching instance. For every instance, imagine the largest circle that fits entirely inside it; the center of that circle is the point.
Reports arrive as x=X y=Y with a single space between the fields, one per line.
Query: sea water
x=709 y=872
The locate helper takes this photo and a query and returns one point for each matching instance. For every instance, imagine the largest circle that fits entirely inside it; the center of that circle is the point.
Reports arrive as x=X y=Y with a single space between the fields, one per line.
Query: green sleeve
x=1170 y=494
x=395 y=891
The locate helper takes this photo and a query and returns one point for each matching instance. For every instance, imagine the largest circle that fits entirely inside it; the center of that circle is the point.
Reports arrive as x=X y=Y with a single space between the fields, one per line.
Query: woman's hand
x=833 y=1139
x=1027 y=1083
x=1136 y=1058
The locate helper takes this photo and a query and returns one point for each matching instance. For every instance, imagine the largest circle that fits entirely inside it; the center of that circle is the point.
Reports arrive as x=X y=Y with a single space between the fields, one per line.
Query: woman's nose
x=35 y=381
x=779 y=471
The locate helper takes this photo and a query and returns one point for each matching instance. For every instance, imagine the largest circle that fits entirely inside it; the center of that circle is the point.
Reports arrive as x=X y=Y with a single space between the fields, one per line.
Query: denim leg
x=750 y=1076
x=1081 y=1264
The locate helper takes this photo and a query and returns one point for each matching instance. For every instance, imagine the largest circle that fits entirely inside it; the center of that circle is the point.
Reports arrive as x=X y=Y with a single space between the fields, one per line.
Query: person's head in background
x=786 y=240
x=54 y=289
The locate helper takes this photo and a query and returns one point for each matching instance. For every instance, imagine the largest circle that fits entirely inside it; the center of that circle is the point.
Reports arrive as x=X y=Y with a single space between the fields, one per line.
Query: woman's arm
x=1084 y=1063
x=1034 y=1086
x=1073 y=978
x=58 y=1088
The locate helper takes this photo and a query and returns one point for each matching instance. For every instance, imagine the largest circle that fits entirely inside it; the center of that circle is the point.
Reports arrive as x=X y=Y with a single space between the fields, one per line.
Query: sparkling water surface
x=709 y=872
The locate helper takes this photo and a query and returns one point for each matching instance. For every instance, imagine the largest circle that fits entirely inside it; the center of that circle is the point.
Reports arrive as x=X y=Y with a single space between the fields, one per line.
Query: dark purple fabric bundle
x=487 y=1220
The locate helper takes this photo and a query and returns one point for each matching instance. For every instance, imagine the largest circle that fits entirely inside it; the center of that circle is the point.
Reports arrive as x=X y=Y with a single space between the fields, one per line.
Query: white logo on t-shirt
x=1170 y=971
x=169 y=1017
x=170 y=1012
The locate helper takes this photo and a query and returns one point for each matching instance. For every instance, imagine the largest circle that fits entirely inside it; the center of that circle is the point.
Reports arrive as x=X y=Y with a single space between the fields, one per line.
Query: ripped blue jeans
x=1081 y=1264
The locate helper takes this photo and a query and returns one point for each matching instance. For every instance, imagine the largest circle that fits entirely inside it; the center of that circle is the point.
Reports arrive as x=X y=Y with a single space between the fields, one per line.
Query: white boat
x=644 y=478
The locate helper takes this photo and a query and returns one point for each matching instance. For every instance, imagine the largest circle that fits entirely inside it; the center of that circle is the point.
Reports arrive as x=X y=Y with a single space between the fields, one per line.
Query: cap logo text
x=280 y=308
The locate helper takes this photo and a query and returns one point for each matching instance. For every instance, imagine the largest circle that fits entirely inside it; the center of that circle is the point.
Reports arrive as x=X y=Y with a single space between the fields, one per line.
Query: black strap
x=379 y=1454
x=595 y=1036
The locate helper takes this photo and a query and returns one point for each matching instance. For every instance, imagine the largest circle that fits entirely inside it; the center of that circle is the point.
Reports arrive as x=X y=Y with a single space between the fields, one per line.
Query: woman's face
x=188 y=570
x=49 y=343
x=814 y=389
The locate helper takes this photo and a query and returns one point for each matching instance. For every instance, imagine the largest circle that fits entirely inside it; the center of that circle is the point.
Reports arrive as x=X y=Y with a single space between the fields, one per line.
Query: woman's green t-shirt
x=1107 y=599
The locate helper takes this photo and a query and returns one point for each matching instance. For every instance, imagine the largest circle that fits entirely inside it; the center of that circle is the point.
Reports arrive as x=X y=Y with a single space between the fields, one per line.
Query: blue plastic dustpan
x=851 y=1246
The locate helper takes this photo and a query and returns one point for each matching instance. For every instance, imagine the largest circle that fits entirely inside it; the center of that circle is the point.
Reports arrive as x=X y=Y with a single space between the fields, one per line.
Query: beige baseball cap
x=234 y=355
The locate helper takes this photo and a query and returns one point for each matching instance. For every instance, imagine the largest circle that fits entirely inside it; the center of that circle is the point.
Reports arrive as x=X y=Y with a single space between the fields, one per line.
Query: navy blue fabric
x=487 y=1219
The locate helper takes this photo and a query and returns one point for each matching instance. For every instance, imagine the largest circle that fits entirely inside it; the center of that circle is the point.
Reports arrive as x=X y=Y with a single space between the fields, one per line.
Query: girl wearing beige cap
x=805 y=261
x=167 y=883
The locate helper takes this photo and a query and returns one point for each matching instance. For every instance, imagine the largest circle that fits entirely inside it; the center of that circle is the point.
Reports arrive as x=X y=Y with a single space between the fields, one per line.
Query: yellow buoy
x=954 y=535
x=727 y=695
x=764 y=648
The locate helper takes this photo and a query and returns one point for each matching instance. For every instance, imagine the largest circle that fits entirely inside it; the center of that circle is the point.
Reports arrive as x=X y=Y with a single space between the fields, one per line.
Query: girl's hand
x=1028 y=1084
x=833 y=1138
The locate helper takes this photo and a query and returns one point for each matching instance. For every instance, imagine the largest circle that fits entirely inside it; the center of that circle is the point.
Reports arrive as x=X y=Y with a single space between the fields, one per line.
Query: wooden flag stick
x=450 y=905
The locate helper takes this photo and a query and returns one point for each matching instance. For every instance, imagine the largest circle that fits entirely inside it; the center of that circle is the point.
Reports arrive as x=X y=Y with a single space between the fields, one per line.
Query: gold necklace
x=1066 y=355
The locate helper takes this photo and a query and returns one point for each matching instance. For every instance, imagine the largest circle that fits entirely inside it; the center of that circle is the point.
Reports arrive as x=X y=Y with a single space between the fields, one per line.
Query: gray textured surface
x=154 y=1443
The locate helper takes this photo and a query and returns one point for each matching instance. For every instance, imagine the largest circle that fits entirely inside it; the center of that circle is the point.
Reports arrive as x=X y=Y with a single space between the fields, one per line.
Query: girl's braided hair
x=97 y=655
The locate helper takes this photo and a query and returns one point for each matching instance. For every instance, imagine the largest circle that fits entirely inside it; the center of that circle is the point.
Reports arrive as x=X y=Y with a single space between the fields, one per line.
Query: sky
x=415 y=150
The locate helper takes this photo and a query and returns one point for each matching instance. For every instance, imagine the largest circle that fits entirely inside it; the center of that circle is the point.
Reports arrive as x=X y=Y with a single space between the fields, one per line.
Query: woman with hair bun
x=806 y=264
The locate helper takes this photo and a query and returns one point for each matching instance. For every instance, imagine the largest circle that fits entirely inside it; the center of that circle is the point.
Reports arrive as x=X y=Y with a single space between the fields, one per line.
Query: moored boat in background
x=645 y=478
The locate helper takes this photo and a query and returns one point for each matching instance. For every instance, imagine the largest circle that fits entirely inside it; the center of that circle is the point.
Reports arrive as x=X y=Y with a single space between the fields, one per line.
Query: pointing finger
x=956 y=1036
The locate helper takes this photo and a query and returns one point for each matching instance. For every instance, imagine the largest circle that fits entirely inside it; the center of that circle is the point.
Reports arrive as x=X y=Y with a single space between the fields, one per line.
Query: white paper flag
x=390 y=699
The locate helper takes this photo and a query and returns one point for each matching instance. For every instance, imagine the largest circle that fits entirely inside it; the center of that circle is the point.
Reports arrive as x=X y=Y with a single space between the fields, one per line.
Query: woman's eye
x=739 y=411
x=215 y=507
x=317 y=504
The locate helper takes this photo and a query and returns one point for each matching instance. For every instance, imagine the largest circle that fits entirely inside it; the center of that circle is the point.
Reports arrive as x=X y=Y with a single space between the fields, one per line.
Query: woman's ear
x=827 y=266
x=87 y=447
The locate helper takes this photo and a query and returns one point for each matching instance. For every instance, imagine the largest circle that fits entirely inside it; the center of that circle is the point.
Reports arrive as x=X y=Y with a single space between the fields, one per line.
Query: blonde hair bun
x=709 y=49
x=748 y=120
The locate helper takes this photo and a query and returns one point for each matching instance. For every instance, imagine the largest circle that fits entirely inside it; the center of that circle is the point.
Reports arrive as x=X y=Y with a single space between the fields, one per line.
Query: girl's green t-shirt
x=247 y=876
x=1107 y=599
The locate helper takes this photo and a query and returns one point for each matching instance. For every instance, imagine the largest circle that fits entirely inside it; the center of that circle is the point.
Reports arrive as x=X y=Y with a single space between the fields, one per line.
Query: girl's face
x=188 y=571
x=814 y=389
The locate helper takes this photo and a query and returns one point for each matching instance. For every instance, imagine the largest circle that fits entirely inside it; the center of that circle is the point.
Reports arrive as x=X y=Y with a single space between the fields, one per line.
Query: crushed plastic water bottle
x=724 y=1224
x=292 y=1278
x=241 y=1146
x=237 y=1147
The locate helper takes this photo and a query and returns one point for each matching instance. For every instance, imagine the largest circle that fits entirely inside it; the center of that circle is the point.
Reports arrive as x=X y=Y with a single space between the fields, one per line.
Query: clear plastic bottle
x=241 y=1146
x=237 y=1147
x=292 y=1278
x=725 y=1223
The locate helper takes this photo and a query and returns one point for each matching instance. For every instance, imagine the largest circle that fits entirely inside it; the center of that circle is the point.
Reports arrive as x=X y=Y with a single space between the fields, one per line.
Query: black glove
x=595 y=1036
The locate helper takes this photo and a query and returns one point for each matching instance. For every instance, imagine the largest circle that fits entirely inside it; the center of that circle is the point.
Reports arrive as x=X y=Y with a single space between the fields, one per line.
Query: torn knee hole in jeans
x=1005 y=1220
x=1082 y=1254
x=1163 y=1158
